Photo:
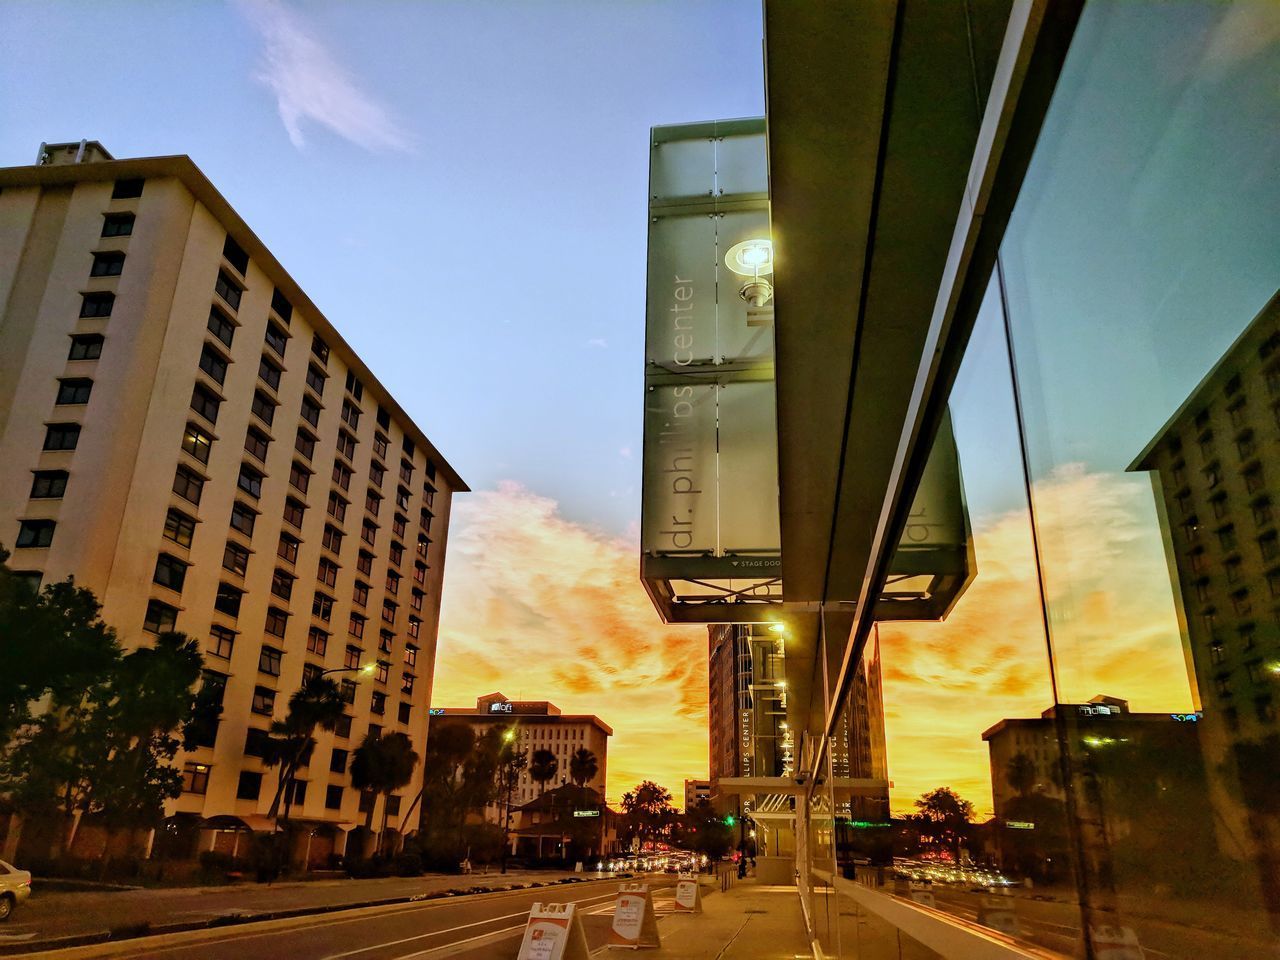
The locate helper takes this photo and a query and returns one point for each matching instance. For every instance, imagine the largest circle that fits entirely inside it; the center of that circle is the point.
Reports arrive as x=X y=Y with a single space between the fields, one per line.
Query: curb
x=145 y=929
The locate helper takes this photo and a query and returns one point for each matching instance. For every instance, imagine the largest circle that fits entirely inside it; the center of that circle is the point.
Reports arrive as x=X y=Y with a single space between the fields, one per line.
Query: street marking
x=499 y=934
x=18 y=936
x=423 y=936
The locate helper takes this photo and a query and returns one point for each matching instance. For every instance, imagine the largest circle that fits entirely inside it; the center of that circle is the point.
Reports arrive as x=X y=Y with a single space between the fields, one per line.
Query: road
x=480 y=927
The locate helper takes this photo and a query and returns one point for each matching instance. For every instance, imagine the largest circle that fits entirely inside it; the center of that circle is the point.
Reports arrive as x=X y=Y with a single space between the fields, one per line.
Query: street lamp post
x=507 y=738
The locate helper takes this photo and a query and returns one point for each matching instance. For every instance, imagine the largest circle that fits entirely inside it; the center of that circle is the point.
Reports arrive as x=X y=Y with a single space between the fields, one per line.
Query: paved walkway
x=750 y=921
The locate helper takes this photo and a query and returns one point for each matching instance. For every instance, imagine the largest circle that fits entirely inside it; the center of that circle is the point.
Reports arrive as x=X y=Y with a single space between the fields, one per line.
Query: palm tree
x=317 y=703
x=542 y=768
x=583 y=766
x=382 y=765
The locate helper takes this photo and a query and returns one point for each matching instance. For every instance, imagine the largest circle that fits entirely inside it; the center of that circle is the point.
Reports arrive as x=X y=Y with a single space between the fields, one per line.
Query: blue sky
x=461 y=187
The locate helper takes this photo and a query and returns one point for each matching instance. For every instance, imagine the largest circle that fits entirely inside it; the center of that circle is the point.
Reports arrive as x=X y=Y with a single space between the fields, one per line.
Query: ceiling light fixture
x=752 y=259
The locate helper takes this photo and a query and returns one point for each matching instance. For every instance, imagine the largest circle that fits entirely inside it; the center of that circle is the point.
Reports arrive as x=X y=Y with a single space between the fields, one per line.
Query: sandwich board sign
x=553 y=932
x=998 y=914
x=921 y=893
x=688 y=894
x=1116 y=943
x=635 y=924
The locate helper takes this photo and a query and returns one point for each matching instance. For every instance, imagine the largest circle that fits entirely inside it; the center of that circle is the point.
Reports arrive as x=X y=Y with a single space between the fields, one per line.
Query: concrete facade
x=296 y=521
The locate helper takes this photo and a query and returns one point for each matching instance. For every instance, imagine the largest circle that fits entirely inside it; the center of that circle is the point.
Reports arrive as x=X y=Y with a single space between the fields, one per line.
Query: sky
x=462 y=188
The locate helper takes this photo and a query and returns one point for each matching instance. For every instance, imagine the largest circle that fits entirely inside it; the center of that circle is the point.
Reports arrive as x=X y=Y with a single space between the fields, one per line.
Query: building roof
x=184 y=169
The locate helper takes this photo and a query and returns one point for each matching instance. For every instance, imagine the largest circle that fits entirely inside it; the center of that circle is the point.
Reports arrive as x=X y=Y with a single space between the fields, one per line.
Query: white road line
x=500 y=934
x=424 y=936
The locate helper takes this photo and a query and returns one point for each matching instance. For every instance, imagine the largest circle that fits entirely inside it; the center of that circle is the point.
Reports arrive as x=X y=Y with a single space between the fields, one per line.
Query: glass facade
x=1085 y=752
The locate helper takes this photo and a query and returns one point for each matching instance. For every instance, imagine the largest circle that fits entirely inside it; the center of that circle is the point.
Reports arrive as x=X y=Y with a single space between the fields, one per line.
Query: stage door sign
x=688 y=894
x=554 y=932
x=634 y=922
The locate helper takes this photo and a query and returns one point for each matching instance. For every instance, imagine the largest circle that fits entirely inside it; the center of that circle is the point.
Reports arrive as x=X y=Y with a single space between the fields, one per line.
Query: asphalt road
x=487 y=926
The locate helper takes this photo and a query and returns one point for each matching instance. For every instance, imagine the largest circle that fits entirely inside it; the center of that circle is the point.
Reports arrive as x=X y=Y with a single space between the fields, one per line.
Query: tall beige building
x=185 y=433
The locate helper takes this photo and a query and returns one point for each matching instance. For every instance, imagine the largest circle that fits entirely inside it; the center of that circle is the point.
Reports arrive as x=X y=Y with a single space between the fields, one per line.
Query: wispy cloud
x=542 y=608
x=598 y=342
x=311 y=85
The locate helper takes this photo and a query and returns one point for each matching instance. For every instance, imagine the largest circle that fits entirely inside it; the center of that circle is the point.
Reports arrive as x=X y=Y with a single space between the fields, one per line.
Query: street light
x=367 y=669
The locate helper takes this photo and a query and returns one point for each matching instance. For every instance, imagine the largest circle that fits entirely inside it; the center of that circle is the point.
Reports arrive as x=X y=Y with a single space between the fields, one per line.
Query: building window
x=205 y=403
x=350 y=414
x=364 y=563
x=276 y=339
x=332 y=540
x=310 y=411
x=1222 y=684
x=1269 y=546
x=404 y=713
x=269 y=373
x=86 y=346
x=227 y=600
x=264 y=407
x=378 y=703
x=170 y=572
x=333 y=797
x=48 y=484
x=406 y=445
x=243 y=518
x=315 y=379
x=327 y=572
x=195 y=778
x=250 y=481
x=372 y=502
x=343 y=729
x=257 y=742
x=249 y=786
x=264 y=701
x=188 y=485
x=415 y=600
x=406 y=471
x=346 y=445
x=337 y=507
x=395 y=553
x=282 y=583
x=1227 y=537
x=322 y=607
x=406 y=683
x=384 y=418
x=354 y=386
x=256 y=443
x=277 y=621
x=355 y=626
x=220 y=326
x=380 y=445
x=398 y=524
x=351 y=660
x=160 y=617
x=347 y=693
x=221 y=641
x=61 y=436
x=197 y=442
x=385 y=639
x=117 y=224
x=107 y=264
x=1264 y=709
x=388 y=611
x=341 y=475
x=311 y=672
x=338 y=761
x=97 y=304
x=214 y=364
x=376 y=472
x=287 y=548
x=35 y=533
x=317 y=641
x=281 y=305
x=269 y=661
x=227 y=289
x=424 y=544
x=410 y=655
x=74 y=391
x=393 y=583
x=305 y=444
x=360 y=593
x=382 y=671
x=1253 y=480
x=368 y=532
x=293 y=511
x=179 y=527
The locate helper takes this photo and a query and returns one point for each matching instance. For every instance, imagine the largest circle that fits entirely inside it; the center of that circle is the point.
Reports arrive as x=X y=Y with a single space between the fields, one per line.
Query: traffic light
x=730 y=820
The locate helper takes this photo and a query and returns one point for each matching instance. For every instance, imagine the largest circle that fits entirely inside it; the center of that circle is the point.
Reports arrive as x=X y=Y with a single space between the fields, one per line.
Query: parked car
x=15 y=886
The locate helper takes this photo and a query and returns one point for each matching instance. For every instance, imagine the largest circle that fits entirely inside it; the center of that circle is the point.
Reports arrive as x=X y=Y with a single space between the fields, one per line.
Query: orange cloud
x=545 y=609
x=1112 y=621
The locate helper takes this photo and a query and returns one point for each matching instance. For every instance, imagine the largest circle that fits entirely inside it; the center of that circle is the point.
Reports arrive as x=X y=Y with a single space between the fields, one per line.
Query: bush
x=407 y=864
x=215 y=863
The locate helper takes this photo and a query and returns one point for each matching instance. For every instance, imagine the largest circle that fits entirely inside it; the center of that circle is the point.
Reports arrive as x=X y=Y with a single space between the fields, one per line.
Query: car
x=15 y=886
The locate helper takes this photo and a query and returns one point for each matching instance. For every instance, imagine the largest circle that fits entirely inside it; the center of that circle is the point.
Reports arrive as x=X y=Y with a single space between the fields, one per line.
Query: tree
x=317 y=703
x=944 y=818
x=1022 y=773
x=382 y=765
x=583 y=767
x=542 y=768
x=511 y=762
x=647 y=811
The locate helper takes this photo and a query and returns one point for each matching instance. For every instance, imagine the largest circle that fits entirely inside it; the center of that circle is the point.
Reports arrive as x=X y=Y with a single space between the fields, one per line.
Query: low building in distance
x=567 y=824
x=184 y=432
x=696 y=791
x=540 y=726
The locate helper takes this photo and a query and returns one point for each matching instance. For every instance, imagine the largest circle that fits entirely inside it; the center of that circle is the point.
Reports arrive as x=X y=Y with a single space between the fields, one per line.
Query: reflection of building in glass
x=1216 y=463
x=747 y=707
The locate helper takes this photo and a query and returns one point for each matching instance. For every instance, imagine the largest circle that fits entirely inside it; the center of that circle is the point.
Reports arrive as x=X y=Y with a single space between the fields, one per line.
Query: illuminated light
x=778 y=628
x=509 y=736
x=730 y=820
x=368 y=668
x=1274 y=666
x=782 y=683
x=750 y=258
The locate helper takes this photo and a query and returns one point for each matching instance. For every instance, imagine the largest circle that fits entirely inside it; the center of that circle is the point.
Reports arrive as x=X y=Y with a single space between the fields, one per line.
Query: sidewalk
x=53 y=916
x=748 y=922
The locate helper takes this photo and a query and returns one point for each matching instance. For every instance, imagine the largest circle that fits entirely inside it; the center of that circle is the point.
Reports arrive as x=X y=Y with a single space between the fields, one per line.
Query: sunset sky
x=478 y=171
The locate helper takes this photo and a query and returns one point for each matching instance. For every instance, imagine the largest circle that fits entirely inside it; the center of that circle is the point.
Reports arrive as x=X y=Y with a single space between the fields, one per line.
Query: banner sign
x=553 y=932
x=634 y=922
x=586 y=813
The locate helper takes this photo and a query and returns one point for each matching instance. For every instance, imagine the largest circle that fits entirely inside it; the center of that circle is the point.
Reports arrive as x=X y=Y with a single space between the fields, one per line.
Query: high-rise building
x=695 y=792
x=539 y=725
x=184 y=432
